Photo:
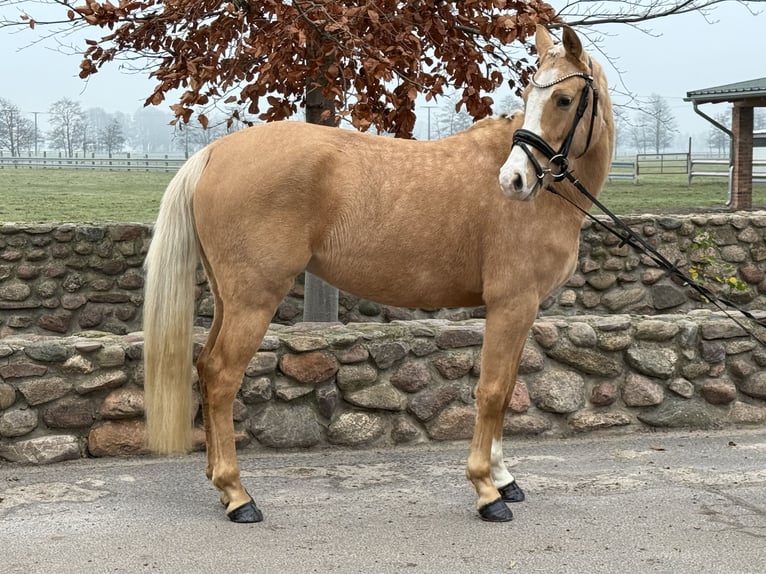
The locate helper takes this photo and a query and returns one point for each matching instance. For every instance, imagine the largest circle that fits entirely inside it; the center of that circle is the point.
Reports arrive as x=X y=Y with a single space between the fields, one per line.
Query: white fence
x=118 y=162
x=721 y=168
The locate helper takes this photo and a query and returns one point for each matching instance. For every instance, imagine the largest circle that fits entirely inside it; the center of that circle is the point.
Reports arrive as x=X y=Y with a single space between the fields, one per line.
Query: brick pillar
x=742 y=177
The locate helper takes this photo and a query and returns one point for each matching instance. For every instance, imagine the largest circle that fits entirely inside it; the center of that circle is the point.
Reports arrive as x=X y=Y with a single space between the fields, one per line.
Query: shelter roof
x=738 y=91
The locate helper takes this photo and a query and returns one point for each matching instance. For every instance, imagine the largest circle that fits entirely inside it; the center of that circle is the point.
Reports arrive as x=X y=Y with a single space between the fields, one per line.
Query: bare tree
x=661 y=127
x=66 y=117
x=718 y=141
x=16 y=131
x=110 y=137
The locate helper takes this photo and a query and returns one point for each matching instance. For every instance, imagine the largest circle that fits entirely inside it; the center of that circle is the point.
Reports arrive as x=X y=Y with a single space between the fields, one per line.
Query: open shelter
x=744 y=96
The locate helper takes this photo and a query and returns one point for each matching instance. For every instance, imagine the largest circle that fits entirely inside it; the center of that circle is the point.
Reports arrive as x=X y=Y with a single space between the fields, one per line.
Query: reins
x=629 y=237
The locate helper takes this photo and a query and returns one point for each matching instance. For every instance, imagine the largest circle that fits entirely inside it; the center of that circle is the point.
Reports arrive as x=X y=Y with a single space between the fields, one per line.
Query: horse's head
x=564 y=117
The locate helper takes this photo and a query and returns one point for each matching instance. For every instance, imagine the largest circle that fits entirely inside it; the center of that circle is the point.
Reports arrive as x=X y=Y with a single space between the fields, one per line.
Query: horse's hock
x=71 y=374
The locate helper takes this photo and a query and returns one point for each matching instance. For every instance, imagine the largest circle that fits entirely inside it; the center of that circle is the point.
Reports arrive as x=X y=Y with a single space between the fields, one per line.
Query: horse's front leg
x=505 y=334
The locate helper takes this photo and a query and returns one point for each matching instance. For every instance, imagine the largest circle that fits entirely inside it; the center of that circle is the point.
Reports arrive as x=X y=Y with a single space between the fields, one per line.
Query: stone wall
x=62 y=279
x=403 y=382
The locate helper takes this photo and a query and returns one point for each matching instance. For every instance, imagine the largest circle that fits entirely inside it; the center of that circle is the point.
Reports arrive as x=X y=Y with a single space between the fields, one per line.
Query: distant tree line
x=73 y=130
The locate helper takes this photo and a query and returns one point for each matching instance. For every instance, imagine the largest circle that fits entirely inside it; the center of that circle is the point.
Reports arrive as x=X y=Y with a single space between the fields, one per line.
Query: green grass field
x=79 y=196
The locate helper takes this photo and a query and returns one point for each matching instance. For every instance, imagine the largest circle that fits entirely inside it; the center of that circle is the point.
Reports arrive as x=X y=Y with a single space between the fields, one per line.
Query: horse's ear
x=543 y=40
x=572 y=43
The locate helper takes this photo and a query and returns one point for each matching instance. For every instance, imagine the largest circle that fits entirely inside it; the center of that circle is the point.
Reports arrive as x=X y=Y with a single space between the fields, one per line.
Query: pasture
x=79 y=196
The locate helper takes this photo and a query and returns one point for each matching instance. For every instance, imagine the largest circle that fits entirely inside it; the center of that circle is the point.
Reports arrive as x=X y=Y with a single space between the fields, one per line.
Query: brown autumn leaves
x=371 y=58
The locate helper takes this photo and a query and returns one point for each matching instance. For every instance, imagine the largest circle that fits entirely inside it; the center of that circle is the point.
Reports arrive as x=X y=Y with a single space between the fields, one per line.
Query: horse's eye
x=564 y=101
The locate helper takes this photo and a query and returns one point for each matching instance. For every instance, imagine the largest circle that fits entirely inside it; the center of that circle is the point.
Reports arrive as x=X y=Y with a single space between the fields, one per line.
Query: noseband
x=558 y=162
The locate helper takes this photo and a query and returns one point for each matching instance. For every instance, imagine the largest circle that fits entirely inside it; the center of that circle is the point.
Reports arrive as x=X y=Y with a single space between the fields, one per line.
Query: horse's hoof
x=246 y=513
x=511 y=493
x=496 y=511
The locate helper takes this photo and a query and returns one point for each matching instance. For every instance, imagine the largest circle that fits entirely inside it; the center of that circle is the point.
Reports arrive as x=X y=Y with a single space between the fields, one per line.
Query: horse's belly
x=403 y=285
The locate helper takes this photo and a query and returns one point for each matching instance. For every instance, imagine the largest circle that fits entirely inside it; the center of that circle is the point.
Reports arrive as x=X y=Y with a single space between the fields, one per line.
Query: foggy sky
x=689 y=54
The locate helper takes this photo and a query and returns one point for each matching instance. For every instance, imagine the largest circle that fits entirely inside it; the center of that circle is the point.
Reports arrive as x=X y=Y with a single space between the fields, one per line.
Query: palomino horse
x=407 y=223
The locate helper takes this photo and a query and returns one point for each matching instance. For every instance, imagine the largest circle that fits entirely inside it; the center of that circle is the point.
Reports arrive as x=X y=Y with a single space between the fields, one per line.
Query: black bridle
x=558 y=168
x=558 y=161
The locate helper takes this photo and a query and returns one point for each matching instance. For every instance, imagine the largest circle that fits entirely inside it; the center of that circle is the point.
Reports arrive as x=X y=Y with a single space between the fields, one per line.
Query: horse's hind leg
x=506 y=332
x=222 y=364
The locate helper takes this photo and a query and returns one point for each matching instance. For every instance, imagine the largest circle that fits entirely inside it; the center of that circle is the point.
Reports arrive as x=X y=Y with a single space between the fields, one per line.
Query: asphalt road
x=675 y=503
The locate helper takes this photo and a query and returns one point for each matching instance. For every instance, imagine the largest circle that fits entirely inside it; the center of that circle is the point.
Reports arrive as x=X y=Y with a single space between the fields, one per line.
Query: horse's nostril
x=517 y=182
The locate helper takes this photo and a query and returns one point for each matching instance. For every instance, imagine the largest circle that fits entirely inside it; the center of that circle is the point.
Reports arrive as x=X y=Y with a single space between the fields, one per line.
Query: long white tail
x=169 y=313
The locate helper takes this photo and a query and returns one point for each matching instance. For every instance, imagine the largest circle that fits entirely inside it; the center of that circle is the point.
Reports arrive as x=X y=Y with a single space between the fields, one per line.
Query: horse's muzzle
x=517 y=178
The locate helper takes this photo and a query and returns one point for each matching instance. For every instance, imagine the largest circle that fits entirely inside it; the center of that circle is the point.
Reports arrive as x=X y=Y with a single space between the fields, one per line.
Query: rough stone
x=604 y=394
x=411 y=376
x=695 y=369
x=712 y=351
x=656 y=330
x=354 y=354
x=430 y=401
x=640 y=391
x=256 y=390
x=262 y=363
x=652 y=361
x=327 y=398
x=582 y=335
x=746 y=414
x=70 y=412
x=309 y=368
x=48 y=352
x=532 y=361
x=719 y=392
x=19 y=370
x=111 y=356
x=721 y=329
x=587 y=421
x=385 y=354
x=356 y=376
x=602 y=280
x=546 y=334
x=382 y=396
x=304 y=343
x=7 y=396
x=453 y=423
x=78 y=364
x=682 y=387
x=17 y=422
x=288 y=390
x=614 y=341
x=118 y=438
x=38 y=391
x=42 y=450
x=558 y=391
x=520 y=400
x=587 y=360
x=108 y=380
x=123 y=403
x=356 y=428
x=455 y=337
x=667 y=297
x=755 y=386
x=281 y=426
x=741 y=368
x=682 y=414
x=453 y=364
x=525 y=424
x=57 y=322
x=612 y=323
x=422 y=347
x=617 y=300
x=403 y=430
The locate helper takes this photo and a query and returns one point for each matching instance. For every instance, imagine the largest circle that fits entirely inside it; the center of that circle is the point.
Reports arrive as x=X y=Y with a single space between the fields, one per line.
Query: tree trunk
x=320 y=300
